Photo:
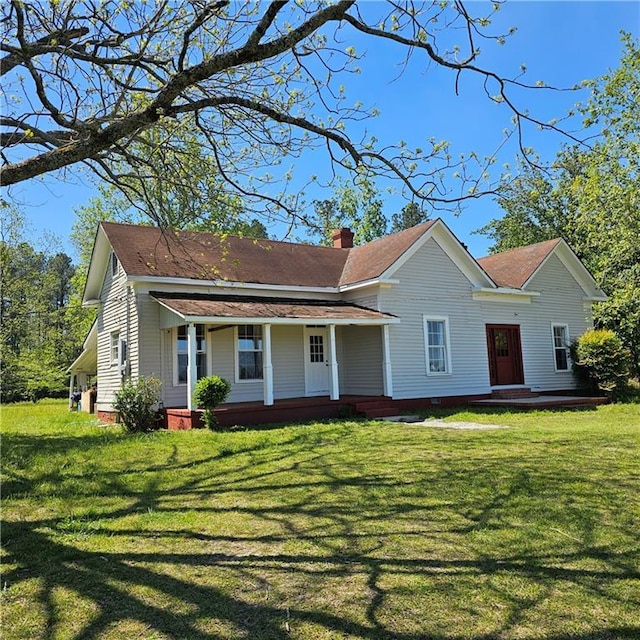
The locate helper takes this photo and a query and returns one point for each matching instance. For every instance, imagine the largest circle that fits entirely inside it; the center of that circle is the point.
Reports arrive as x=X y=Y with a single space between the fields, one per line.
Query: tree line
x=41 y=330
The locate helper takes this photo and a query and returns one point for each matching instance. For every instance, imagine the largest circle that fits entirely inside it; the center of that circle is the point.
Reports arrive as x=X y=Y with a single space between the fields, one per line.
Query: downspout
x=192 y=371
x=127 y=365
x=334 y=380
x=267 y=366
x=387 y=374
x=127 y=369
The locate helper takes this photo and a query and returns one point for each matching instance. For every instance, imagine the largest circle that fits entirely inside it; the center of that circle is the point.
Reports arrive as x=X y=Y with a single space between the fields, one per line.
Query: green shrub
x=600 y=362
x=135 y=403
x=210 y=392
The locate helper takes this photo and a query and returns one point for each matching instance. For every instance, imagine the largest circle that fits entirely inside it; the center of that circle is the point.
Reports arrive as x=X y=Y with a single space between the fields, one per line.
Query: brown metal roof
x=212 y=306
x=514 y=267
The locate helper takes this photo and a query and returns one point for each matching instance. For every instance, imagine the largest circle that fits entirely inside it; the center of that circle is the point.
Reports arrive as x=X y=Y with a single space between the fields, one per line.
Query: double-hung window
x=249 y=346
x=182 y=354
x=115 y=348
x=561 y=346
x=438 y=352
x=118 y=352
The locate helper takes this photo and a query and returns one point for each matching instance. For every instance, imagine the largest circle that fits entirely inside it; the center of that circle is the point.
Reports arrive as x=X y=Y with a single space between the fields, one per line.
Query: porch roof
x=87 y=361
x=250 y=309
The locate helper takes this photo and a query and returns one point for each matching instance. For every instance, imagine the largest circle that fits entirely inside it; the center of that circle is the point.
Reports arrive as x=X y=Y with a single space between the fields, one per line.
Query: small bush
x=135 y=403
x=600 y=362
x=210 y=392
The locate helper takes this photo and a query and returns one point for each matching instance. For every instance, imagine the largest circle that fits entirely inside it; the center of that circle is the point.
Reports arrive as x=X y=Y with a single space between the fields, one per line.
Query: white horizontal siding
x=369 y=301
x=149 y=336
x=117 y=313
x=361 y=361
x=432 y=285
x=288 y=361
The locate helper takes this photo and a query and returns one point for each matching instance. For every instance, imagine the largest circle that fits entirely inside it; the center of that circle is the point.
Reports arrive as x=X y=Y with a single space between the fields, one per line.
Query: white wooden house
x=411 y=318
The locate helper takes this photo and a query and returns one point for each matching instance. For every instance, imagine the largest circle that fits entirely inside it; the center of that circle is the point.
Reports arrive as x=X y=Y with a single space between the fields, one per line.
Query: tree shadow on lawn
x=199 y=582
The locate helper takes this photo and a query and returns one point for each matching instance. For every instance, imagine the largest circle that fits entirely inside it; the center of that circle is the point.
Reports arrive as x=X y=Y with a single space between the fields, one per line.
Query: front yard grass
x=361 y=530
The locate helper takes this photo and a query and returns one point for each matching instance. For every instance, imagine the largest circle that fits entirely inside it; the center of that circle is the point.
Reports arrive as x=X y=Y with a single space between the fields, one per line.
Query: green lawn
x=361 y=530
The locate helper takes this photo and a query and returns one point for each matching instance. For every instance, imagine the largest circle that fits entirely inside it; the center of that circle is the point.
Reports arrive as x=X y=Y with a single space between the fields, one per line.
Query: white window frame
x=176 y=352
x=123 y=356
x=447 y=345
x=114 y=263
x=555 y=348
x=236 y=350
x=114 y=349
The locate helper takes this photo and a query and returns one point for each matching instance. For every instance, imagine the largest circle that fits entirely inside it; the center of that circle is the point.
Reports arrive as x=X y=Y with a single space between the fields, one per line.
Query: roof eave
x=287 y=321
x=364 y=284
x=97 y=267
x=233 y=284
x=182 y=318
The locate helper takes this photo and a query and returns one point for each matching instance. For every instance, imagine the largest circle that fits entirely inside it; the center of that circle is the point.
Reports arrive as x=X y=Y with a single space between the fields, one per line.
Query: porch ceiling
x=250 y=309
x=86 y=362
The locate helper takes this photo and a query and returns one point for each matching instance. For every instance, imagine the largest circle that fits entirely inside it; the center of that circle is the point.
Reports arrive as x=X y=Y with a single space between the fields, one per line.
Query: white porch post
x=71 y=389
x=334 y=382
x=192 y=368
x=386 y=362
x=267 y=365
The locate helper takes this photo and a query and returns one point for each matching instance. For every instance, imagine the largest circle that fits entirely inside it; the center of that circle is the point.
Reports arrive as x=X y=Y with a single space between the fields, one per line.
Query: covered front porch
x=83 y=373
x=305 y=355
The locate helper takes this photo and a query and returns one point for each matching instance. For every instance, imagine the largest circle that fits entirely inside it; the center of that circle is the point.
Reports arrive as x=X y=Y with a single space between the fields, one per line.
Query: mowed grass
x=362 y=530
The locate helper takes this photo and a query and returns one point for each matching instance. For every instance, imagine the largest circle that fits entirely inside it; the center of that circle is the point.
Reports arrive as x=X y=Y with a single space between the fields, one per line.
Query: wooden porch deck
x=542 y=402
x=318 y=408
x=301 y=409
x=287 y=410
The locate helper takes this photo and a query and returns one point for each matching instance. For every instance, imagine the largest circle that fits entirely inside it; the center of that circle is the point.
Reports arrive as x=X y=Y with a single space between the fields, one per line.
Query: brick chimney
x=342 y=238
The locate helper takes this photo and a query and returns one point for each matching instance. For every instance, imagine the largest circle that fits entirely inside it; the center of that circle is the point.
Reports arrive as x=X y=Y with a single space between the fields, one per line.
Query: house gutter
x=229 y=284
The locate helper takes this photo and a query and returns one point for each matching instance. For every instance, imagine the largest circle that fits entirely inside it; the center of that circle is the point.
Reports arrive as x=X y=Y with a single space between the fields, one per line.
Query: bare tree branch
x=256 y=82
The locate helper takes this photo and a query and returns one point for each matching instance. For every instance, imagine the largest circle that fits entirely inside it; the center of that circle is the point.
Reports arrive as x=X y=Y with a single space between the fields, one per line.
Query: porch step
x=376 y=408
x=381 y=413
x=514 y=392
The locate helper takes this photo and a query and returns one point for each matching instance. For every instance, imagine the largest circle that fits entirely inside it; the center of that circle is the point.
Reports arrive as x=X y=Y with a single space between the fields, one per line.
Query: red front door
x=505 y=354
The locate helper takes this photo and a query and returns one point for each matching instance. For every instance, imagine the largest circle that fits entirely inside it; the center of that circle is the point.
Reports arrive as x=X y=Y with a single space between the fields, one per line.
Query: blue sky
x=561 y=43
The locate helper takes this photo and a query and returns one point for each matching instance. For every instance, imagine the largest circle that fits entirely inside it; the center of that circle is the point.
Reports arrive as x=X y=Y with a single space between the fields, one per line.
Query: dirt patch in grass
x=442 y=424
